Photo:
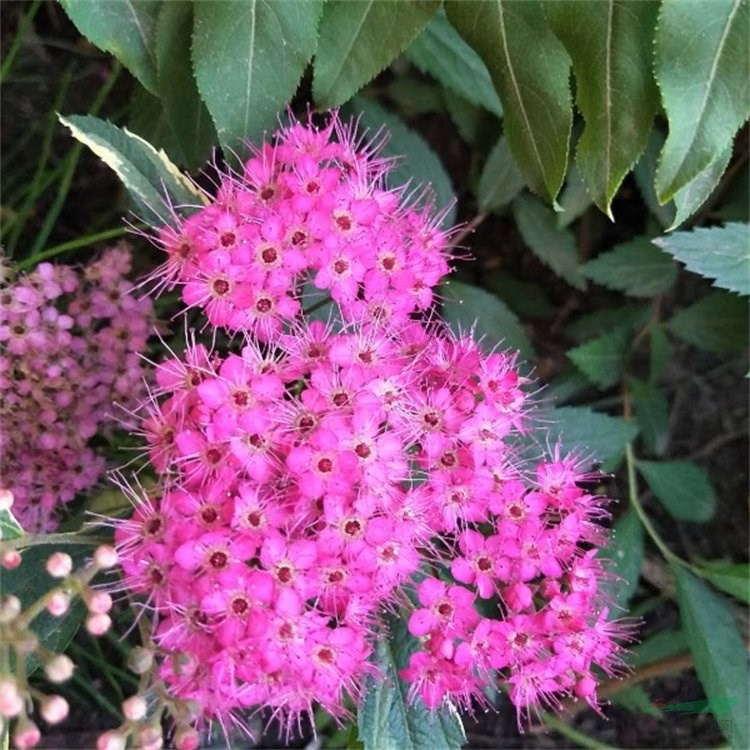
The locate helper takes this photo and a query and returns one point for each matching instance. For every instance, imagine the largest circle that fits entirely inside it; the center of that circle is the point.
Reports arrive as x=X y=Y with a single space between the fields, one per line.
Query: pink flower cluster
x=312 y=478
x=314 y=208
x=71 y=345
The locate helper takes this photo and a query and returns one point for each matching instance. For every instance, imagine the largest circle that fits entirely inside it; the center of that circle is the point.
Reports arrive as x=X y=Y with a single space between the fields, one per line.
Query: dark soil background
x=709 y=396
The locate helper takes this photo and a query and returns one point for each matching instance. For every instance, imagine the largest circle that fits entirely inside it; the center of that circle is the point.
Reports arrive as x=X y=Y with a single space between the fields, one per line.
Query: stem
x=17 y=39
x=559 y=726
x=467 y=230
x=317 y=306
x=90 y=239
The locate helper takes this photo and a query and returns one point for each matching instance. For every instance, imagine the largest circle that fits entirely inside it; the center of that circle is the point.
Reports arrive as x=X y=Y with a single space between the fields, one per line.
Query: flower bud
x=11 y=559
x=58 y=603
x=26 y=735
x=59 y=668
x=98 y=624
x=59 y=565
x=187 y=738
x=105 y=557
x=99 y=603
x=27 y=642
x=140 y=660
x=54 y=709
x=111 y=740
x=6 y=499
x=150 y=738
x=10 y=608
x=11 y=702
x=134 y=708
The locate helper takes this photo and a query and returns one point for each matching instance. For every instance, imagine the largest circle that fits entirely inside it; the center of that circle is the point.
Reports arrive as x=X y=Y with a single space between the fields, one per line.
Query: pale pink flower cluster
x=71 y=349
x=313 y=478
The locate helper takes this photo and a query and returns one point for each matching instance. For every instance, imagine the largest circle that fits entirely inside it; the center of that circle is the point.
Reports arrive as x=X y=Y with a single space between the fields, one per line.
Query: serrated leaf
x=700 y=51
x=718 y=253
x=148 y=175
x=645 y=173
x=733 y=578
x=690 y=198
x=467 y=117
x=624 y=553
x=602 y=358
x=567 y=386
x=526 y=299
x=588 y=432
x=721 y=660
x=9 y=526
x=574 y=199
x=415 y=97
x=188 y=115
x=125 y=28
x=663 y=645
x=500 y=181
x=530 y=70
x=652 y=412
x=466 y=306
x=683 y=488
x=358 y=40
x=149 y=121
x=387 y=719
x=554 y=247
x=717 y=323
x=441 y=52
x=633 y=268
x=248 y=57
x=610 y=43
x=418 y=163
x=30 y=581
x=600 y=321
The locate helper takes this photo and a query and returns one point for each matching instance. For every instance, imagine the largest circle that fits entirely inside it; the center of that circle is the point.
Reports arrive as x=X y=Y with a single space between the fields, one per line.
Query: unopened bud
x=11 y=702
x=27 y=642
x=6 y=499
x=54 y=709
x=150 y=738
x=58 y=603
x=187 y=738
x=10 y=608
x=134 y=708
x=105 y=556
x=11 y=559
x=140 y=660
x=26 y=735
x=98 y=624
x=99 y=603
x=59 y=565
x=111 y=740
x=59 y=668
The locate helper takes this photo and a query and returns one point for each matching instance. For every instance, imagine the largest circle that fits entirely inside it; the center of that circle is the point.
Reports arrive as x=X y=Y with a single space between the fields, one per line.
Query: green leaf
x=719 y=651
x=602 y=359
x=566 y=386
x=600 y=321
x=663 y=645
x=188 y=116
x=719 y=253
x=574 y=199
x=554 y=247
x=466 y=306
x=30 y=581
x=441 y=52
x=586 y=431
x=730 y=577
x=467 y=117
x=633 y=268
x=248 y=58
x=717 y=323
x=690 y=198
x=500 y=181
x=683 y=488
x=610 y=44
x=652 y=412
x=9 y=526
x=636 y=699
x=526 y=299
x=358 y=40
x=149 y=121
x=413 y=97
x=625 y=555
x=644 y=173
x=148 y=175
x=530 y=70
x=704 y=84
x=125 y=28
x=387 y=719
x=417 y=161
x=659 y=353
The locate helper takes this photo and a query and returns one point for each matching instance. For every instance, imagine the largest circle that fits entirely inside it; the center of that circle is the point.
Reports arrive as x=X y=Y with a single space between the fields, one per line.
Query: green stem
x=90 y=239
x=96 y=696
x=317 y=306
x=559 y=726
x=23 y=27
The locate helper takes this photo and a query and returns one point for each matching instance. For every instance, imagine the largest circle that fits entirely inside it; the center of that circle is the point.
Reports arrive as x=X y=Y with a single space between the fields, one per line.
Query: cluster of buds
x=310 y=473
x=72 y=342
x=20 y=648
